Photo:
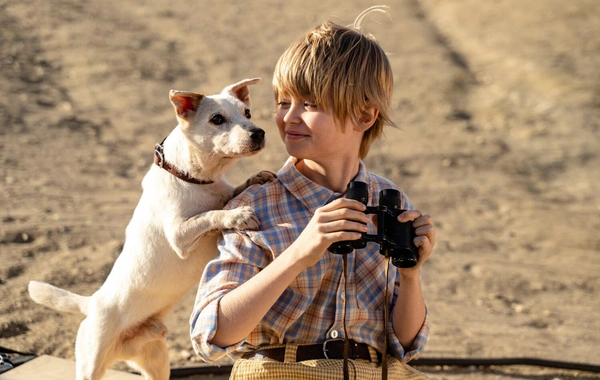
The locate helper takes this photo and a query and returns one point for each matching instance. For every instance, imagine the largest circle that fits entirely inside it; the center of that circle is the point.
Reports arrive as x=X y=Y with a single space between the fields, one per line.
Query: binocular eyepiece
x=395 y=239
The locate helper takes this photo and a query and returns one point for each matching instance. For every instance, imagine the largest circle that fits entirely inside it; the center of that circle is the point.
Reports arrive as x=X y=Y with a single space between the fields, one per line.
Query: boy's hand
x=342 y=219
x=425 y=239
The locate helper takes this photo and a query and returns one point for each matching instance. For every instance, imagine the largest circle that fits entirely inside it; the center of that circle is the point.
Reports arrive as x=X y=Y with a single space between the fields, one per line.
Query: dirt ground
x=499 y=105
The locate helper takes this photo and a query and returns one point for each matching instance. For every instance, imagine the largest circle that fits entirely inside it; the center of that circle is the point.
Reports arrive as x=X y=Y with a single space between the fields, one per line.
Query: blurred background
x=498 y=104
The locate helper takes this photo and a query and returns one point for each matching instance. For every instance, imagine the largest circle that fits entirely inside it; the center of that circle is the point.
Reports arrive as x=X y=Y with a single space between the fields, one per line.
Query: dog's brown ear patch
x=185 y=103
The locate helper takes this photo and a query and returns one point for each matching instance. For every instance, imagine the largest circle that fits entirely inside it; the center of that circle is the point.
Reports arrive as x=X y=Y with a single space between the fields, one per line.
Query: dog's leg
x=94 y=349
x=184 y=236
x=88 y=357
x=133 y=340
x=153 y=360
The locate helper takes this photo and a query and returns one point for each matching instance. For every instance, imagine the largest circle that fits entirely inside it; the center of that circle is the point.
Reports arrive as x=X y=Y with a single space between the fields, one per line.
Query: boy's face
x=314 y=134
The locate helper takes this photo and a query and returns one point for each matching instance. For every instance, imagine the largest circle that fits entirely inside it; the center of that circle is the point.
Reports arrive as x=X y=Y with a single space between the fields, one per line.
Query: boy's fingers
x=409 y=215
x=423 y=220
x=346 y=225
x=345 y=203
x=426 y=230
x=421 y=241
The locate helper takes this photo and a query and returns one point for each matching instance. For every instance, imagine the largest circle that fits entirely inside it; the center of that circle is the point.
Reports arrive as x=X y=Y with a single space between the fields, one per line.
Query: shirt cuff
x=417 y=347
x=202 y=331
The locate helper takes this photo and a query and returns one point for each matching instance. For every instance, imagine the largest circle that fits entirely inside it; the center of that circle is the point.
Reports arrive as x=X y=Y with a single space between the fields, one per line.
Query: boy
x=276 y=297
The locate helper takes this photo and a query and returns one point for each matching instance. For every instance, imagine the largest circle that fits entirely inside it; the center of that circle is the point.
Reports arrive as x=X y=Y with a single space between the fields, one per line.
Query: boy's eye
x=310 y=105
x=283 y=104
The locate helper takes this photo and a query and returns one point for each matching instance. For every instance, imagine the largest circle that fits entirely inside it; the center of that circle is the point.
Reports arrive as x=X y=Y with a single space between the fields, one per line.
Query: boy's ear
x=367 y=118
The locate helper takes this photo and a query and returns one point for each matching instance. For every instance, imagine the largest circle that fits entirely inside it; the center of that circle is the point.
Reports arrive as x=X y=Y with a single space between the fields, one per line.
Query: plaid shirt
x=310 y=309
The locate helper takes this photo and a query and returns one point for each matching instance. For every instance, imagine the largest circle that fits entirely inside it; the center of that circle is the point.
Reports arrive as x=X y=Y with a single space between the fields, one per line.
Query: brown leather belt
x=329 y=349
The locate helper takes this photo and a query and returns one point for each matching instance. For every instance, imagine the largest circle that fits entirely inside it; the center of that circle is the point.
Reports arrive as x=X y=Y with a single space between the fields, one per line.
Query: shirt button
x=342 y=295
x=333 y=334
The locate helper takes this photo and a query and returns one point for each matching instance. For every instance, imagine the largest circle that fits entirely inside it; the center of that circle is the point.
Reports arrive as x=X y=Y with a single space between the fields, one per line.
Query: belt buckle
x=325 y=342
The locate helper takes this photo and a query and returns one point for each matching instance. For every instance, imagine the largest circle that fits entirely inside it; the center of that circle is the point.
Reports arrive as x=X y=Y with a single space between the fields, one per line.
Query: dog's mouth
x=249 y=150
x=252 y=149
x=253 y=143
x=258 y=147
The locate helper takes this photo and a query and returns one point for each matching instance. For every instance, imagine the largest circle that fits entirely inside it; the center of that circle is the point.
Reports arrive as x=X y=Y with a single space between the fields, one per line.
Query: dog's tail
x=56 y=298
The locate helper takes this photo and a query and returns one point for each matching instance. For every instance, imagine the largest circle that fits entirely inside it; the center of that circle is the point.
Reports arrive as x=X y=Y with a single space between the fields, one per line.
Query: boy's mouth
x=294 y=135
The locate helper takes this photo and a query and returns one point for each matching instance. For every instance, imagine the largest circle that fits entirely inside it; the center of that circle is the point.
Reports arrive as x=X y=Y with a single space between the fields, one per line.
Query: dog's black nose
x=257 y=135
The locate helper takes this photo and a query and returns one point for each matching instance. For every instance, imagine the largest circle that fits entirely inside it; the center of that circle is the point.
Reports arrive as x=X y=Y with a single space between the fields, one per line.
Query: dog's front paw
x=260 y=178
x=242 y=218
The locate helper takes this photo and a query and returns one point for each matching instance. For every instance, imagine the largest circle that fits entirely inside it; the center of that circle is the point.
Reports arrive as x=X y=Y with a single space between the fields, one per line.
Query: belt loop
x=373 y=354
x=290 y=353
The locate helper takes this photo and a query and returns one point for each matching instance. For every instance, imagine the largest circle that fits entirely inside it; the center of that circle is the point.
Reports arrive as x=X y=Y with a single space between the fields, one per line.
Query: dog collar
x=159 y=160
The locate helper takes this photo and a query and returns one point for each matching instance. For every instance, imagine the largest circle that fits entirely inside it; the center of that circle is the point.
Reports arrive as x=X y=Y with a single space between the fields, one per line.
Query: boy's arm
x=242 y=309
x=409 y=311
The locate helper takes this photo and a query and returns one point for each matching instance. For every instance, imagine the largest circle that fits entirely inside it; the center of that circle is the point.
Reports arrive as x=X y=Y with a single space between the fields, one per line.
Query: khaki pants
x=321 y=369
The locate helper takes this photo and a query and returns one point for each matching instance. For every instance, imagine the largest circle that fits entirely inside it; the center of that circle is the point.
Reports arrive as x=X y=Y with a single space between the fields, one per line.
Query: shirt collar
x=313 y=195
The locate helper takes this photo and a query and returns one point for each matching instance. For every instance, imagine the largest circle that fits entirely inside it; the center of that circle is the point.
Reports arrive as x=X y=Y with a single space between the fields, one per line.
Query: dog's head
x=219 y=125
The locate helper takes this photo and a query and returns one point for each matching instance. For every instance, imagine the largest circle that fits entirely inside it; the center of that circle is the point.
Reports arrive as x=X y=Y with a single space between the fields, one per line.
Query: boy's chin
x=295 y=151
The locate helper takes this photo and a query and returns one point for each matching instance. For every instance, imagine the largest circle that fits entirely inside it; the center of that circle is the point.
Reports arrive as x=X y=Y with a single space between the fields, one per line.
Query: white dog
x=171 y=235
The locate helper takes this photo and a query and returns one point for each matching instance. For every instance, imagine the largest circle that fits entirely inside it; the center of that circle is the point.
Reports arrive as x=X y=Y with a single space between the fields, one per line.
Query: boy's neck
x=334 y=177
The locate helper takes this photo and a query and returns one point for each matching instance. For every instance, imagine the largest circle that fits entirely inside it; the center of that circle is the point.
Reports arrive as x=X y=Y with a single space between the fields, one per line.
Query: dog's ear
x=185 y=103
x=240 y=90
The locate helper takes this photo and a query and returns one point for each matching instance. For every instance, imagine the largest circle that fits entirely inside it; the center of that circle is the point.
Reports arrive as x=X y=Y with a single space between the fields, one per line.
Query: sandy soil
x=499 y=104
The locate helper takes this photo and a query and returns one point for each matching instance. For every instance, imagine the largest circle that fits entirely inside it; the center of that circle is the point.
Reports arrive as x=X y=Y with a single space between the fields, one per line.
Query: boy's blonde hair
x=339 y=67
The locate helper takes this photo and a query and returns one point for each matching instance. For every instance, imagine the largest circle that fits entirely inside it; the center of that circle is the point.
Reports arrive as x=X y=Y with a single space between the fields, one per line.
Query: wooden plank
x=52 y=368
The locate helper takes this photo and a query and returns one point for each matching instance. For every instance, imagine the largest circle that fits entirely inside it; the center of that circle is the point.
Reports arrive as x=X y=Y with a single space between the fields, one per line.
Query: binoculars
x=395 y=239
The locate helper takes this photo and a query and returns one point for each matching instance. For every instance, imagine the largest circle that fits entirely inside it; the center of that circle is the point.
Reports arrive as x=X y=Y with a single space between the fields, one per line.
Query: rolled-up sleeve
x=418 y=345
x=239 y=259
x=419 y=342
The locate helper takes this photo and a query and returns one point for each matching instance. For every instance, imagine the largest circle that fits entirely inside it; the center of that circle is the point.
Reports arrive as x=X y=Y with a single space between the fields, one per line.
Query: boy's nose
x=292 y=116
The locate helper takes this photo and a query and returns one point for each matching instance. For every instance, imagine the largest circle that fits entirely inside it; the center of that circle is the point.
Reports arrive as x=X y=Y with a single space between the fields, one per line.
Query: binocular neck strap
x=346 y=339
x=386 y=317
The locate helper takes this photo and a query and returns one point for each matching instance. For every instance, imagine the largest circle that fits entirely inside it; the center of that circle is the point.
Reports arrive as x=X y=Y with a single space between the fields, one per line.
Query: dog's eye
x=218 y=119
x=248 y=115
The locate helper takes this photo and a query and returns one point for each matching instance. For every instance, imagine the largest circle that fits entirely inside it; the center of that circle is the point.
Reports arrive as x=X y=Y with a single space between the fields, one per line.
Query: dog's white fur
x=170 y=238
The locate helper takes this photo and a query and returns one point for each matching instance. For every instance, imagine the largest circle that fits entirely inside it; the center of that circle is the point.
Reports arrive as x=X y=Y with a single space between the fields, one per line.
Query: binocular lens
x=403 y=258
